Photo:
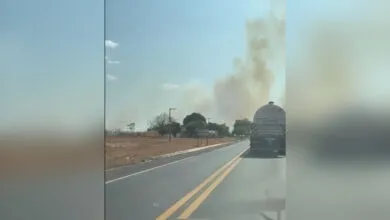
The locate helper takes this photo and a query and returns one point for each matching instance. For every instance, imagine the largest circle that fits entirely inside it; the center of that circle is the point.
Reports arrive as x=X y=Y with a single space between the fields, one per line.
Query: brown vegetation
x=123 y=150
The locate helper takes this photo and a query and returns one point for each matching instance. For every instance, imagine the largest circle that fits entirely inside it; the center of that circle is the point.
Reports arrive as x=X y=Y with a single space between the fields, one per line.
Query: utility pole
x=170 y=124
x=207 y=137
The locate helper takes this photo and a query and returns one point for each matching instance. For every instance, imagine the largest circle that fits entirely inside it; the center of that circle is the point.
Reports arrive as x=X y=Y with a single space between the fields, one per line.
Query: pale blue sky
x=172 y=42
x=52 y=58
x=52 y=53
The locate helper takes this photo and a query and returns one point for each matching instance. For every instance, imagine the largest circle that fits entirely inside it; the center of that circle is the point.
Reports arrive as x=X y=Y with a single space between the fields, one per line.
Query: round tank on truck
x=268 y=129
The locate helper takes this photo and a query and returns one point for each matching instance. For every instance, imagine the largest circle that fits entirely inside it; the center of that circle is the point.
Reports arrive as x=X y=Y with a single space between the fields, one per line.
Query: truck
x=267 y=134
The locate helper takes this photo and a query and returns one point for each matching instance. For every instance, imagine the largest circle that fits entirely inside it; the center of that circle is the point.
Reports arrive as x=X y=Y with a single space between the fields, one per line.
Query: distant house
x=213 y=133
x=201 y=133
x=183 y=132
x=207 y=133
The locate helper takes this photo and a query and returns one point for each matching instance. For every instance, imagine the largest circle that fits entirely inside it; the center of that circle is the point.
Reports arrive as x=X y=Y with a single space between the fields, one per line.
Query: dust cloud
x=243 y=92
x=250 y=84
x=238 y=94
x=196 y=98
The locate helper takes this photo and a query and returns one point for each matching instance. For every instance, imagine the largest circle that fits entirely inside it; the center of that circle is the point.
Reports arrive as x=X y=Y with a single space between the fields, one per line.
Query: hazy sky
x=52 y=66
x=161 y=54
x=52 y=62
x=163 y=47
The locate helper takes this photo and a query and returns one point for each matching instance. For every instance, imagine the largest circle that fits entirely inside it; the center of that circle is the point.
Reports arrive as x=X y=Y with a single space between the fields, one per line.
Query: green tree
x=242 y=127
x=193 y=117
x=131 y=126
x=193 y=122
x=222 y=129
x=213 y=126
x=175 y=128
x=193 y=126
x=160 y=124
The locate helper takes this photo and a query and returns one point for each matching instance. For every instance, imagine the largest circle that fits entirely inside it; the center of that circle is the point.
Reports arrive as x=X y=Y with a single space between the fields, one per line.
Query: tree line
x=195 y=122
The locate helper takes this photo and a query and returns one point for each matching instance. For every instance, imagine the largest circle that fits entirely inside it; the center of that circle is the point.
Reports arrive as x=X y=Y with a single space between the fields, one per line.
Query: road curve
x=225 y=183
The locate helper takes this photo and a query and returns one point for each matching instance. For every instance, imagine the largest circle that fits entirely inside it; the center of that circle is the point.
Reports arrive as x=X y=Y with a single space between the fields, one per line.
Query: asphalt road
x=225 y=183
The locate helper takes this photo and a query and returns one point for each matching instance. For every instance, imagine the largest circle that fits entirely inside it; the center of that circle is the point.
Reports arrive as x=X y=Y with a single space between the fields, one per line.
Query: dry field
x=123 y=150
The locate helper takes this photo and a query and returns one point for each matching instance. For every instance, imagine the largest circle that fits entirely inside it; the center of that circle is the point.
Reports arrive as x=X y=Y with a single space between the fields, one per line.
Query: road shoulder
x=159 y=161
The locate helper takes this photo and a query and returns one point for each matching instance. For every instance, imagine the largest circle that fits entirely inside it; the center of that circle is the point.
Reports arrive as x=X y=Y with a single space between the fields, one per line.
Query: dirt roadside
x=125 y=150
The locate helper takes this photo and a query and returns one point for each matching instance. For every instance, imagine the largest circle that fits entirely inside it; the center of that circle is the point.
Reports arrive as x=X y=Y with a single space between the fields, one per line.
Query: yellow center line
x=170 y=211
x=194 y=205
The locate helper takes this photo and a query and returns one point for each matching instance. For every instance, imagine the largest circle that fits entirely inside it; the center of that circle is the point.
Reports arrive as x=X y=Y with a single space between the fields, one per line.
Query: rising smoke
x=250 y=84
x=241 y=92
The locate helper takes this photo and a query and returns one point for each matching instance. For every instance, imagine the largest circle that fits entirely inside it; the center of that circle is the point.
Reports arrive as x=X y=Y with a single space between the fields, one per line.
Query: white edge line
x=175 y=154
x=150 y=169
x=188 y=151
x=147 y=170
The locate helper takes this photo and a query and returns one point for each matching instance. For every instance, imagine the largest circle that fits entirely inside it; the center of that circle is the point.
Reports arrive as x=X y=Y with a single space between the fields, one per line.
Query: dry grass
x=123 y=150
x=56 y=155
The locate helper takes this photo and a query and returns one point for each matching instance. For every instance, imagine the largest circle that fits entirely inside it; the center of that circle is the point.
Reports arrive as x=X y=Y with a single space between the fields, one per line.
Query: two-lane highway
x=226 y=183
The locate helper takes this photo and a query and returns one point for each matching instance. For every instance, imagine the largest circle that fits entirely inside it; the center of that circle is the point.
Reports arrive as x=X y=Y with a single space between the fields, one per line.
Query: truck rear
x=268 y=130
